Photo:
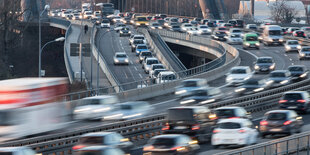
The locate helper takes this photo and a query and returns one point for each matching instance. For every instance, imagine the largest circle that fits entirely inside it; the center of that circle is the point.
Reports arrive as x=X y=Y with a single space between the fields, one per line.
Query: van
x=250 y=40
x=272 y=34
x=166 y=76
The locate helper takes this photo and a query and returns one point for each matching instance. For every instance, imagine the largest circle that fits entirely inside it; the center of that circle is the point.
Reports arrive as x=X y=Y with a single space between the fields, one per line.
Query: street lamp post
x=47 y=7
x=40 y=53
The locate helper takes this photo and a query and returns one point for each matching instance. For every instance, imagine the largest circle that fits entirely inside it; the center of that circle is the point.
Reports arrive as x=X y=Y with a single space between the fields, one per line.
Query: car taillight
x=263 y=123
x=78 y=147
x=178 y=148
x=282 y=101
x=296 y=34
x=147 y=148
x=196 y=127
x=216 y=131
x=304 y=34
x=287 y=122
x=242 y=131
x=301 y=101
x=166 y=127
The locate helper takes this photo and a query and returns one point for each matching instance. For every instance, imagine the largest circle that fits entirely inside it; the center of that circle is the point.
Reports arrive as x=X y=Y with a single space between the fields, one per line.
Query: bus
x=107 y=8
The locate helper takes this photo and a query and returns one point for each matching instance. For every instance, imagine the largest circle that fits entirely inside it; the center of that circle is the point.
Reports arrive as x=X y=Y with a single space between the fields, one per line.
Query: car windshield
x=150 y=62
x=139 y=38
x=277 y=74
x=105 y=21
x=174 y=20
x=155 y=24
x=203 y=27
x=235 y=36
x=92 y=140
x=141 y=47
x=292 y=96
x=305 y=49
x=238 y=71
x=187 y=25
x=264 y=61
x=251 y=82
x=121 y=56
x=276 y=116
x=157 y=67
x=175 y=26
x=236 y=31
x=296 y=69
x=168 y=77
x=292 y=43
x=229 y=125
x=306 y=28
x=225 y=113
x=127 y=29
x=168 y=142
x=180 y=114
x=200 y=93
x=251 y=38
x=138 y=42
x=189 y=84
x=275 y=32
x=141 y=19
x=126 y=107
x=157 y=71
x=222 y=28
x=146 y=54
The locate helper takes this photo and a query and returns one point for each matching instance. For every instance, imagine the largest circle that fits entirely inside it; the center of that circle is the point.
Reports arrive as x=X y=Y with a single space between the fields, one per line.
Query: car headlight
x=246 y=78
x=180 y=92
x=126 y=60
x=299 y=47
x=187 y=101
x=288 y=47
x=207 y=101
x=284 y=82
x=303 y=75
x=160 y=27
x=258 y=89
x=137 y=23
x=270 y=39
x=229 y=78
x=82 y=110
x=256 y=67
x=116 y=60
x=272 y=66
x=129 y=31
x=153 y=28
x=302 y=54
x=166 y=24
x=208 y=30
x=102 y=109
x=281 y=40
x=257 y=44
x=147 y=24
x=121 y=32
x=239 y=90
x=247 y=44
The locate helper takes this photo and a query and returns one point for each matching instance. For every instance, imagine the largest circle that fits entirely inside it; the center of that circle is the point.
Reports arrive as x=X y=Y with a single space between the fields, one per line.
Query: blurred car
x=69 y=17
x=77 y=16
x=218 y=22
x=280 y=122
x=193 y=31
x=186 y=26
x=299 y=33
x=155 y=66
x=171 y=144
x=304 y=52
x=111 y=139
x=124 y=32
x=188 y=85
x=231 y=112
x=94 y=107
x=306 y=30
x=135 y=43
x=21 y=150
x=165 y=76
x=88 y=14
x=264 y=65
x=155 y=26
x=121 y=58
x=175 y=28
x=161 y=22
x=194 y=23
x=135 y=37
x=183 y=20
x=194 y=121
x=203 y=96
x=155 y=74
x=145 y=54
x=298 y=72
x=237 y=131
x=226 y=25
x=253 y=85
x=218 y=35
x=129 y=110
x=140 y=48
x=99 y=150
x=234 y=39
x=126 y=20
x=295 y=100
x=204 y=29
x=119 y=26
x=105 y=23
x=204 y=21
x=280 y=77
x=148 y=62
x=238 y=75
x=116 y=19
x=251 y=27
x=291 y=30
x=235 y=31
x=291 y=45
x=250 y=40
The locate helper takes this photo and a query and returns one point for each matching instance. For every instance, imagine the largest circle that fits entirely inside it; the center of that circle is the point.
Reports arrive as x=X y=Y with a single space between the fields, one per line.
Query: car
x=129 y=110
x=111 y=139
x=203 y=96
x=119 y=26
x=121 y=58
x=240 y=23
x=148 y=62
x=232 y=22
x=231 y=112
x=226 y=25
x=187 y=86
x=304 y=52
x=88 y=14
x=204 y=21
x=280 y=77
x=135 y=43
x=211 y=24
x=218 y=35
x=161 y=22
x=171 y=144
x=186 y=26
x=280 y=122
x=194 y=121
x=126 y=20
x=298 y=72
x=238 y=75
x=21 y=150
x=116 y=19
x=193 y=31
x=124 y=32
x=173 y=20
x=264 y=65
x=102 y=150
x=140 y=21
x=77 y=16
x=306 y=30
x=136 y=36
x=105 y=23
x=69 y=16
x=139 y=48
x=183 y=20
x=93 y=108
x=235 y=31
x=145 y=54
x=204 y=29
x=272 y=35
x=234 y=39
x=165 y=76
x=155 y=26
x=299 y=33
x=253 y=85
x=155 y=66
x=251 y=27
x=194 y=23
x=218 y=22
x=155 y=74
x=295 y=100
x=239 y=131
x=291 y=45
x=291 y=30
x=250 y=40
x=97 y=14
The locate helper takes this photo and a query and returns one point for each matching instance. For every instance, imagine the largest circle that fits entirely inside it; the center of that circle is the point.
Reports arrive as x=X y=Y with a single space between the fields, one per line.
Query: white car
x=22 y=150
x=119 y=27
x=97 y=14
x=116 y=19
x=121 y=58
x=88 y=14
x=238 y=75
x=148 y=62
x=187 y=86
x=234 y=39
x=186 y=26
x=105 y=23
x=135 y=37
x=251 y=27
x=193 y=31
x=292 y=45
x=204 y=29
x=235 y=31
x=94 y=107
x=237 y=131
x=155 y=66
x=304 y=52
x=165 y=76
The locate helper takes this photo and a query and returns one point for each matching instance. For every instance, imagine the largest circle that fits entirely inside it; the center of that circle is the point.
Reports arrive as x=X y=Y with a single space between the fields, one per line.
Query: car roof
x=166 y=72
x=157 y=64
x=141 y=45
x=291 y=40
x=194 y=79
x=235 y=120
x=303 y=66
x=152 y=58
x=117 y=53
x=138 y=35
x=95 y=134
x=266 y=57
x=240 y=67
x=134 y=103
x=250 y=34
x=278 y=111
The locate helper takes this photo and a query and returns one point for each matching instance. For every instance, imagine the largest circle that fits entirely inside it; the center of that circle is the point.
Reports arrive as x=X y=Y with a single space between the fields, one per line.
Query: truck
x=31 y=106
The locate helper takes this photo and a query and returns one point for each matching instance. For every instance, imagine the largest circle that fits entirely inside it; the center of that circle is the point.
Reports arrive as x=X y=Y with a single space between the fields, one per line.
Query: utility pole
x=252 y=8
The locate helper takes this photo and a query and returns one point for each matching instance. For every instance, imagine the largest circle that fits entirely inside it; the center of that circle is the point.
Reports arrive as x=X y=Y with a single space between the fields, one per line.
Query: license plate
x=264 y=69
x=276 y=129
x=252 y=45
x=180 y=127
x=292 y=107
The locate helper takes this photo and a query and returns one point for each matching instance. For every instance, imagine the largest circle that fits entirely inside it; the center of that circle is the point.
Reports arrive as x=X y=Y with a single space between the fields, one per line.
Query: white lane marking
x=131 y=62
x=291 y=59
x=277 y=51
x=248 y=53
x=292 y=63
x=165 y=102
x=136 y=68
x=126 y=76
x=285 y=55
x=140 y=76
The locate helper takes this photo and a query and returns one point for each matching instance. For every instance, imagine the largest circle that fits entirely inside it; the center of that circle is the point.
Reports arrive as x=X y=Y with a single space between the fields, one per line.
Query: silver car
x=121 y=58
x=187 y=86
x=148 y=62
x=304 y=53
x=155 y=66
x=292 y=45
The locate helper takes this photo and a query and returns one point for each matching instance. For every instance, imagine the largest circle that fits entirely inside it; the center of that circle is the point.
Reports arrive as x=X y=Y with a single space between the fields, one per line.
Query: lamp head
x=60 y=39
x=47 y=7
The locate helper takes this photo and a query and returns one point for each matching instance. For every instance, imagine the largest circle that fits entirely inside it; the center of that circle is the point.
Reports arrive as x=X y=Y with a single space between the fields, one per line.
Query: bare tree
x=281 y=12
